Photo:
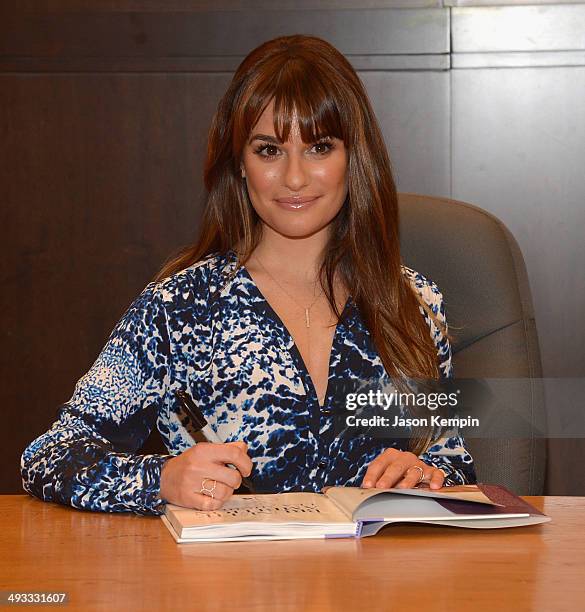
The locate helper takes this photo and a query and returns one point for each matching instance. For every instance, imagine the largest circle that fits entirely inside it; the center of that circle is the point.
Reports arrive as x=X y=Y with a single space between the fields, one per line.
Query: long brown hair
x=308 y=75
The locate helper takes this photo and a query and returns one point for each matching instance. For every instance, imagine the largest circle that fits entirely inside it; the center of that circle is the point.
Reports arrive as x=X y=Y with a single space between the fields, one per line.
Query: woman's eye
x=263 y=148
x=327 y=146
x=268 y=150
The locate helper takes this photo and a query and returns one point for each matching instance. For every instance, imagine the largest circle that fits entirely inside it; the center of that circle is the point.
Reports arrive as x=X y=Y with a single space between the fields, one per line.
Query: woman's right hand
x=182 y=476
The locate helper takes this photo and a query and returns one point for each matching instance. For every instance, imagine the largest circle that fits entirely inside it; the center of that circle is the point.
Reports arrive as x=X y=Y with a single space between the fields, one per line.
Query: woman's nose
x=296 y=173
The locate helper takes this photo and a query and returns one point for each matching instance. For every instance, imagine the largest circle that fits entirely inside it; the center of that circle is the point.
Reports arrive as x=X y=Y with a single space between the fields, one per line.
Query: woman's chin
x=299 y=230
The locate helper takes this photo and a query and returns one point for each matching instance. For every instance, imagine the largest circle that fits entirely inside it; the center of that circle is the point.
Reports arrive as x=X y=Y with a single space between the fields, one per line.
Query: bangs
x=297 y=88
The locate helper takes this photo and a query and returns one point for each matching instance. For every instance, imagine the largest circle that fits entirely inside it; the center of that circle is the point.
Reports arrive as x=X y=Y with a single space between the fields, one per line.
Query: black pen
x=200 y=424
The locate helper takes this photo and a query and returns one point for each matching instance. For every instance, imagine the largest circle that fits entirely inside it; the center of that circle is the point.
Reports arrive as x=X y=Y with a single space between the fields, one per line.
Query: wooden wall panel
x=100 y=179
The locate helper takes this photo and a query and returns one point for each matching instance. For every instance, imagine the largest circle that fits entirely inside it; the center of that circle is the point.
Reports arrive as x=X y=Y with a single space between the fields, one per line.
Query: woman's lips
x=296 y=203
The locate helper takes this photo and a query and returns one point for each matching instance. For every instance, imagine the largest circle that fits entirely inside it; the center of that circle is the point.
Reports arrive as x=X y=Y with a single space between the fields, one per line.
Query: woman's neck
x=294 y=257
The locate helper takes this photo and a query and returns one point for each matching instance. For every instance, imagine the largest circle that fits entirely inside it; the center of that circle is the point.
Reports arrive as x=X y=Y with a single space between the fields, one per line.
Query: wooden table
x=128 y=562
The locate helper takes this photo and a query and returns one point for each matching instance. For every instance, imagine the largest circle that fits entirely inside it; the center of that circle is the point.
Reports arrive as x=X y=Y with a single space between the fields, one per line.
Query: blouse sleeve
x=448 y=451
x=86 y=459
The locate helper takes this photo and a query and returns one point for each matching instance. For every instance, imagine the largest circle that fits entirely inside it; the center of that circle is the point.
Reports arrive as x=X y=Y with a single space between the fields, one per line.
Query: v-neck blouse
x=291 y=346
x=208 y=330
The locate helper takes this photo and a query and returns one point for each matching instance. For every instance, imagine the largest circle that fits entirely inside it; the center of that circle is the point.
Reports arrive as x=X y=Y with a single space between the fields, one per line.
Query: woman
x=294 y=290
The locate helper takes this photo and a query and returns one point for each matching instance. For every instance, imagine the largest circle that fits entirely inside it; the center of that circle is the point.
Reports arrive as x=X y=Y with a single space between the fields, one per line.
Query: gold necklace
x=307 y=309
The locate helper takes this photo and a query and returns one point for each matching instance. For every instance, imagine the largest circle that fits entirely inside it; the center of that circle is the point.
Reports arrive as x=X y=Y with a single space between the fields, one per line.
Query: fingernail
x=367 y=484
x=434 y=485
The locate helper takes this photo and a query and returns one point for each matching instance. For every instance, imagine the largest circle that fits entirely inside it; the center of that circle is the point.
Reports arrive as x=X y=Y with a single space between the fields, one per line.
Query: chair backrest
x=479 y=268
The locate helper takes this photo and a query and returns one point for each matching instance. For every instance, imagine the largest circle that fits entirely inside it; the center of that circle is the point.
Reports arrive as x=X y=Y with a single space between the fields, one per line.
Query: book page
x=276 y=508
x=348 y=499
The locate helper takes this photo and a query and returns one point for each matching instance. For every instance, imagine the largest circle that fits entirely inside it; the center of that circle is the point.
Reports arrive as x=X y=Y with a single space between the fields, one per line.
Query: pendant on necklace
x=307 y=319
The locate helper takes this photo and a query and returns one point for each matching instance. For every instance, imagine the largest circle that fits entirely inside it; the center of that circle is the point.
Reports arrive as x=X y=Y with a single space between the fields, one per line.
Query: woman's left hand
x=394 y=468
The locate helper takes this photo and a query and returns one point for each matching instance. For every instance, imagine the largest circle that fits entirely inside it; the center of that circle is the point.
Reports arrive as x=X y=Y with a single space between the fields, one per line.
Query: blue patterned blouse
x=218 y=338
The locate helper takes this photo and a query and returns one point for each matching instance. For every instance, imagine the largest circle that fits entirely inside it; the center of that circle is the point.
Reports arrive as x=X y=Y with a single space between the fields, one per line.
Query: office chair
x=478 y=267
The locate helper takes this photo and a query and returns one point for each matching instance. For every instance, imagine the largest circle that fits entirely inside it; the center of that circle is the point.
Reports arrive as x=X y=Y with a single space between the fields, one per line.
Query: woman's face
x=296 y=188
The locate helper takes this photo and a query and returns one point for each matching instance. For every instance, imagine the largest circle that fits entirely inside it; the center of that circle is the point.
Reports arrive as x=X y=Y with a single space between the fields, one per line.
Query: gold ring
x=422 y=474
x=205 y=490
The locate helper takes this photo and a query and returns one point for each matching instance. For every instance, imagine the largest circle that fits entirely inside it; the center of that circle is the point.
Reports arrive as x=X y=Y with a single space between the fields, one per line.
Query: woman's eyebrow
x=273 y=140
x=266 y=138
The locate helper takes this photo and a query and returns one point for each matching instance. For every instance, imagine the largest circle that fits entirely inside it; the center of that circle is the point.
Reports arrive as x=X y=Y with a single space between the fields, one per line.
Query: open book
x=349 y=512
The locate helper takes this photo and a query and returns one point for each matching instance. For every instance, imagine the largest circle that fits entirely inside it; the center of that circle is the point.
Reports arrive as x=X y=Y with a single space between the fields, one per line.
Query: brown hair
x=308 y=75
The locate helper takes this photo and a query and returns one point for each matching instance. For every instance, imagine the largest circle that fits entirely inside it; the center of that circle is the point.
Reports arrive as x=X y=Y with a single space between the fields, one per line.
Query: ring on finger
x=208 y=491
x=422 y=474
